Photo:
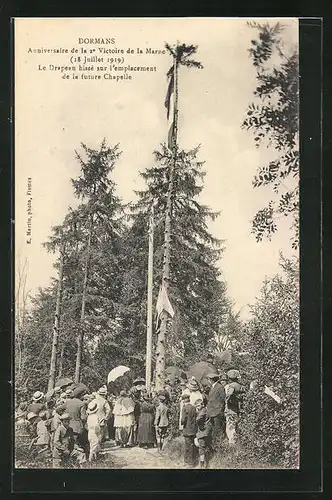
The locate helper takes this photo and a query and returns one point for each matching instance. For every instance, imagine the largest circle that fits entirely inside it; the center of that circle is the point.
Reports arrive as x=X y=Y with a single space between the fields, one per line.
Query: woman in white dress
x=124 y=420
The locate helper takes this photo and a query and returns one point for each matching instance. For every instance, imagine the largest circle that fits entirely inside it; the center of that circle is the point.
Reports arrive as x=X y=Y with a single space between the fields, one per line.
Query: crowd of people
x=71 y=427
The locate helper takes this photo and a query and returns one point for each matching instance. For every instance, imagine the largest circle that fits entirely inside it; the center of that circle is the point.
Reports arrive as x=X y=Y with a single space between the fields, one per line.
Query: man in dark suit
x=216 y=409
x=188 y=421
x=77 y=413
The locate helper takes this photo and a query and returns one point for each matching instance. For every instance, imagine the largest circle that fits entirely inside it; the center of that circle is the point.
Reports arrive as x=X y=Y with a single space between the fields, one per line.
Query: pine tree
x=196 y=290
x=90 y=237
x=100 y=209
x=38 y=341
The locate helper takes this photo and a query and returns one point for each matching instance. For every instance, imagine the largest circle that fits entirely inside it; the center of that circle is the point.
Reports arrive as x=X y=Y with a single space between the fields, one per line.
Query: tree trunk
x=80 y=336
x=161 y=341
x=62 y=352
x=56 y=325
x=21 y=297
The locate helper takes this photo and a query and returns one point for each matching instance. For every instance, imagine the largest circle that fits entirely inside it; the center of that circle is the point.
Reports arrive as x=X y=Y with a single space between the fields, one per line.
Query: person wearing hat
x=223 y=379
x=62 y=397
x=188 y=422
x=94 y=430
x=139 y=383
x=216 y=408
x=110 y=422
x=203 y=434
x=161 y=421
x=135 y=395
x=146 y=436
x=234 y=395
x=55 y=398
x=184 y=390
x=63 y=443
x=104 y=411
x=77 y=412
x=65 y=450
x=124 y=420
x=58 y=410
x=37 y=403
x=194 y=391
x=43 y=435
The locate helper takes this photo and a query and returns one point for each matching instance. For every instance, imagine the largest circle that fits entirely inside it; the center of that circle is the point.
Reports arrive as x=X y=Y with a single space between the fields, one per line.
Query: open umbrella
x=200 y=370
x=79 y=390
x=117 y=372
x=173 y=372
x=63 y=382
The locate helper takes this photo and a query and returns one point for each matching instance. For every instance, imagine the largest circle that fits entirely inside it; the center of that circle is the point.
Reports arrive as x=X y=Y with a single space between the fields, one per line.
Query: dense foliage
x=94 y=234
x=273 y=119
x=269 y=430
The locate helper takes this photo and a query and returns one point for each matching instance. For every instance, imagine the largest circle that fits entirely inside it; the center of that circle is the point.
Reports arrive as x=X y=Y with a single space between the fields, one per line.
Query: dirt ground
x=138 y=458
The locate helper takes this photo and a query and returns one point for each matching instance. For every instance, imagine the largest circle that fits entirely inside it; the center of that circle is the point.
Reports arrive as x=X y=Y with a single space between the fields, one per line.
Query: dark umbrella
x=173 y=372
x=79 y=390
x=200 y=370
x=63 y=382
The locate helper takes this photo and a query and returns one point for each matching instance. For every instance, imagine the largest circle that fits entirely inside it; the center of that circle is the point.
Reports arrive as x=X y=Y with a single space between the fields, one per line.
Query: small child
x=188 y=423
x=161 y=421
x=204 y=434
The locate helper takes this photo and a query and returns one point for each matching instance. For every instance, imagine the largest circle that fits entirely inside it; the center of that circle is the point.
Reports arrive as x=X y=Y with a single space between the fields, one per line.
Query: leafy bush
x=269 y=431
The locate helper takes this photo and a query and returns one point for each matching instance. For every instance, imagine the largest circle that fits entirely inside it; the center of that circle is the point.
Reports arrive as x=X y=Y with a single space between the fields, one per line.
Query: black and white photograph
x=156 y=302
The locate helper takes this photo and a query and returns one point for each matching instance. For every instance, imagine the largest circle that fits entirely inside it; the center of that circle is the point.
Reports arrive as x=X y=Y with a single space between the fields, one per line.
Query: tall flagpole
x=181 y=56
x=160 y=353
x=149 y=304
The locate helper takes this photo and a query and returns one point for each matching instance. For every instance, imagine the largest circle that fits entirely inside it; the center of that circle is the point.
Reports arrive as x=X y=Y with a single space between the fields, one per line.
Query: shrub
x=269 y=431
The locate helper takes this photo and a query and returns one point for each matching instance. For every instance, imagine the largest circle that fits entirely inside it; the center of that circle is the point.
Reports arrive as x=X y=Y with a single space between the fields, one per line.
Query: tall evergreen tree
x=100 y=209
x=92 y=235
x=196 y=291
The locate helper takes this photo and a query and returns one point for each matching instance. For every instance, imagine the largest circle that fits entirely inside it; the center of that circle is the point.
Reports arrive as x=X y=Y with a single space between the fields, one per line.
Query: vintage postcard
x=156 y=243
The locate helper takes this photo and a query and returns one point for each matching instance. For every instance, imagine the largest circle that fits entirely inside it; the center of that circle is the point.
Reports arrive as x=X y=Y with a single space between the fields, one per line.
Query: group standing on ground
x=72 y=427
x=208 y=420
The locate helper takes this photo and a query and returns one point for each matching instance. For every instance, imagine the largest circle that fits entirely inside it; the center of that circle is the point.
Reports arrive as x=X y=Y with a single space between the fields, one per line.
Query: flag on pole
x=273 y=395
x=169 y=105
x=170 y=135
x=163 y=304
x=170 y=91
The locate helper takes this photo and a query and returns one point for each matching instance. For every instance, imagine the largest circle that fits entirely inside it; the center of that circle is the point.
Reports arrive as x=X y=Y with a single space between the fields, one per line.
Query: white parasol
x=117 y=372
